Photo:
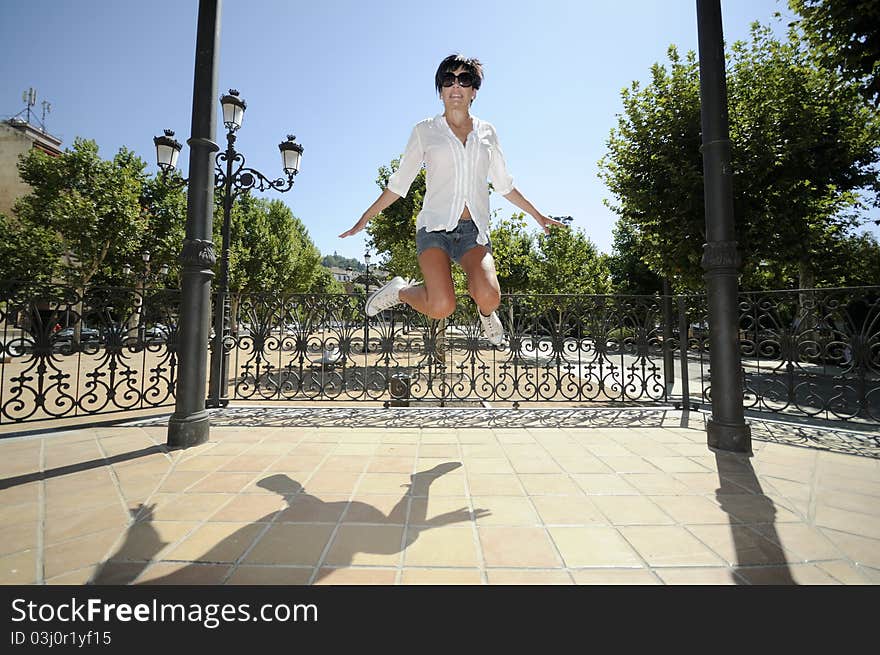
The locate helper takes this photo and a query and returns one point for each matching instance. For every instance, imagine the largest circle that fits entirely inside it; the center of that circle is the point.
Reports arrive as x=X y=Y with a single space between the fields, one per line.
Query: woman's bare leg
x=435 y=297
x=483 y=287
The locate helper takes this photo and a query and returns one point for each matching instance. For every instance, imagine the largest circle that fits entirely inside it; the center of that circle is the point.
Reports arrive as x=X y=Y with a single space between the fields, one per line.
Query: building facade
x=18 y=137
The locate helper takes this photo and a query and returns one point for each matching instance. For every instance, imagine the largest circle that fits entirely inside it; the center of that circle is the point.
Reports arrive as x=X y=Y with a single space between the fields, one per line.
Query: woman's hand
x=545 y=222
x=357 y=227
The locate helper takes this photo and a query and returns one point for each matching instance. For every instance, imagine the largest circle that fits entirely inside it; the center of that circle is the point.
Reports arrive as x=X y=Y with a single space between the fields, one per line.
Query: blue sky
x=350 y=78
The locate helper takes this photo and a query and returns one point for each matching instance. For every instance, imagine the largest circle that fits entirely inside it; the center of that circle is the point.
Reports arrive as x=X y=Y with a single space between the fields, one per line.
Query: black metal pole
x=683 y=347
x=189 y=424
x=367 y=318
x=218 y=385
x=668 y=354
x=727 y=429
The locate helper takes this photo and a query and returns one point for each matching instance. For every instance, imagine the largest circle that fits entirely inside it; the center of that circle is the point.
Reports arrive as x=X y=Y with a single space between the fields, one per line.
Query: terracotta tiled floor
x=644 y=503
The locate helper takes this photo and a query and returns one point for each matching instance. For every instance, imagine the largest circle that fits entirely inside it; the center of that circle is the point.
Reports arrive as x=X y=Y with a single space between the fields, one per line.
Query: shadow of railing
x=431 y=417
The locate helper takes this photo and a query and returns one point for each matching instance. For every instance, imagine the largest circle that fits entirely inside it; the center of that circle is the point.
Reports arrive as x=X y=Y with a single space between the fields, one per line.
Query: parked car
x=157 y=333
x=62 y=340
x=86 y=334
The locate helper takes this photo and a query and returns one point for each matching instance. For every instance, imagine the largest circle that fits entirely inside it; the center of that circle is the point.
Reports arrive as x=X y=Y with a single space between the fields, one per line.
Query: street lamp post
x=233 y=179
x=367 y=295
x=727 y=429
x=190 y=425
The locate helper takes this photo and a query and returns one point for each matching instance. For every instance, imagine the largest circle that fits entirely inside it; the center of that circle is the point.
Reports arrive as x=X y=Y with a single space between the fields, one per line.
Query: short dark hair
x=471 y=64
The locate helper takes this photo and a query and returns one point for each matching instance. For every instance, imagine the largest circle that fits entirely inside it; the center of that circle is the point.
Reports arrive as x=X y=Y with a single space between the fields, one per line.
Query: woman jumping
x=460 y=153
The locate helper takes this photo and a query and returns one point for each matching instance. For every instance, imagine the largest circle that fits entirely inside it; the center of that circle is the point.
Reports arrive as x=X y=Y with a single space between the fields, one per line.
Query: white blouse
x=455 y=174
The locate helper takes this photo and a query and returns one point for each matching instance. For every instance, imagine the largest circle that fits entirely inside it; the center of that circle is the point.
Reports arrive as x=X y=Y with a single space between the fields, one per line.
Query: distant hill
x=342 y=262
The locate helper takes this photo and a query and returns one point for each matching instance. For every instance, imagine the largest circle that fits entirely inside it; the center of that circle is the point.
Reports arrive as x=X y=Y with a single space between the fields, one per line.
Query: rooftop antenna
x=29 y=97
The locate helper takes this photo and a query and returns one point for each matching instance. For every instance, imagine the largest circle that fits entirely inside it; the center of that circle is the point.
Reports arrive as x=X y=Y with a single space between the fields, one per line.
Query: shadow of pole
x=735 y=474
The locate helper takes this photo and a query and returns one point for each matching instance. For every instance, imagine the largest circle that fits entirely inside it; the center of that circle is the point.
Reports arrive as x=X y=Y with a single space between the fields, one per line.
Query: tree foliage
x=654 y=168
x=106 y=214
x=163 y=203
x=27 y=251
x=342 y=262
x=803 y=153
x=513 y=250
x=566 y=261
x=93 y=205
x=270 y=249
x=629 y=273
x=846 y=36
x=853 y=261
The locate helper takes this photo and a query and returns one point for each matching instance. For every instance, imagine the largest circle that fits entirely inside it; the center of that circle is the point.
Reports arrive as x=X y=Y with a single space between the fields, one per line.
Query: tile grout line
x=401 y=562
x=676 y=523
x=610 y=523
x=541 y=522
x=171 y=460
x=751 y=527
x=198 y=524
x=810 y=518
x=526 y=493
x=130 y=521
x=234 y=566
x=475 y=533
x=42 y=498
x=332 y=538
x=814 y=492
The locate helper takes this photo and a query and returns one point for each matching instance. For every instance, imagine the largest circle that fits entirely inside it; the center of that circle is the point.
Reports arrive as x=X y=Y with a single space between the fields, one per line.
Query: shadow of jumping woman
x=145 y=540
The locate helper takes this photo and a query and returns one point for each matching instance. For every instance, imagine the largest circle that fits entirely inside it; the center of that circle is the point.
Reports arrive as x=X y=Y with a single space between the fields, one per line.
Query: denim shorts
x=455 y=243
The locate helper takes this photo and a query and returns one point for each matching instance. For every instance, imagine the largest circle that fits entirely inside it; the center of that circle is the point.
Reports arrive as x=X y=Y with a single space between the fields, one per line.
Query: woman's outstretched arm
x=382 y=203
x=516 y=198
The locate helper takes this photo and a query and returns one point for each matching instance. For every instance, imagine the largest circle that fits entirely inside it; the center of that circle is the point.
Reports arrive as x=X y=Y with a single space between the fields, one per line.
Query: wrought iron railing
x=813 y=353
x=560 y=349
x=67 y=352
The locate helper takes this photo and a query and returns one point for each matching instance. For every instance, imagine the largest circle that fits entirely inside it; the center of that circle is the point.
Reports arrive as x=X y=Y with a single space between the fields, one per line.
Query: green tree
x=855 y=263
x=654 y=169
x=629 y=273
x=803 y=150
x=28 y=252
x=514 y=254
x=163 y=210
x=92 y=204
x=325 y=283
x=846 y=36
x=566 y=261
x=163 y=202
x=804 y=156
x=342 y=262
x=270 y=249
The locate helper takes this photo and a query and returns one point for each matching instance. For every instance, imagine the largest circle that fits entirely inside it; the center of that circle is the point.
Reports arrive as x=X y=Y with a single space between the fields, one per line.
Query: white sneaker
x=492 y=328
x=385 y=297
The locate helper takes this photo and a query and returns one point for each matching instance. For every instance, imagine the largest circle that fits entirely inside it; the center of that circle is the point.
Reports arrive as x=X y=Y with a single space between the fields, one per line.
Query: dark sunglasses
x=464 y=79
